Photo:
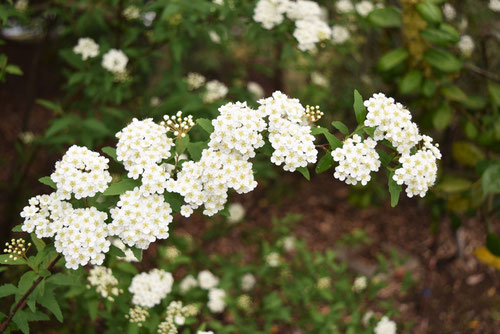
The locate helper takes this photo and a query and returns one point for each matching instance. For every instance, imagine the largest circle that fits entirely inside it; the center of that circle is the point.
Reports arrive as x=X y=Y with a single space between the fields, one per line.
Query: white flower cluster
x=449 y=11
x=364 y=7
x=195 y=80
x=236 y=212
x=188 y=283
x=139 y=220
x=255 y=89
x=115 y=61
x=344 y=6
x=494 y=5
x=207 y=280
x=248 y=282
x=81 y=172
x=105 y=283
x=216 y=302
x=131 y=13
x=289 y=132
x=310 y=32
x=43 y=215
x=340 y=34
x=359 y=284
x=150 y=288
x=466 y=45
x=385 y=326
x=82 y=238
x=357 y=159
x=176 y=316
x=142 y=145
x=215 y=90
x=86 y=47
x=270 y=13
x=392 y=121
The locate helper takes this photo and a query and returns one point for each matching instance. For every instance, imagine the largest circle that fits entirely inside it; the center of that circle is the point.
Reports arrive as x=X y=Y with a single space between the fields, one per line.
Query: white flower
x=273 y=259
x=344 y=6
x=466 y=45
x=148 y=18
x=319 y=79
x=195 y=80
x=269 y=13
x=449 y=12
x=340 y=34
x=364 y=8
x=303 y=10
x=105 y=283
x=385 y=326
x=139 y=220
x=188 y=283
x=115 y=61
x=357 y=159
x=21 y=5
x=129 y=255
x=236 y=212
x=366 y=317
x=494 y=5
x=81 y=172
x=289 y=243
x=86 y=47
x=207 y=280
x=255 y=89
x=150 y=288
x=310 y=32
x=215 y=90
x=131 y=13
x=216 y=302
x=359 y=284
x=248 y=282
x=214 y=37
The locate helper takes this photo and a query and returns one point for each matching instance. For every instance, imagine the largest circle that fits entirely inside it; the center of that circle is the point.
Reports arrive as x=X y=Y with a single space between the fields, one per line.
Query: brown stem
x=20 y=304
x=482 y=72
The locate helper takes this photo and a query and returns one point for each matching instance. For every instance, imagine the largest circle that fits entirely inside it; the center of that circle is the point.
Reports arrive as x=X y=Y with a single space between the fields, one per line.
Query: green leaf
x=386 y=17
x=304 y=171
x=205 y=124
x=466 y=153
x=4 y=259
x=39 y=243
x=181 y=144
x=63 y=280
x=441 y=36
x=453 y=93
x=49 y=301
x=385 y=158
x=110 y=151
x=96 y=126
x=7 y=290
x=341 y=127
x=428 y=87
x=325 y=163
x=392 y=59
x=137 y=253
x=121 y=187
x=13 y=69
x=359 y=108
x=451 y=185
x=442 y=60
x=491 y=179
x=411 y=82
x=93 y=306
x=175 y=200
x=195 y=149
x=26 y=281
x=332 y=140
x=58 y=125
x=442 y=116
x=50 y=105
x=48 y=181
x=21 y=320
x=394 y=190
x=430 y=12
x=493 y=243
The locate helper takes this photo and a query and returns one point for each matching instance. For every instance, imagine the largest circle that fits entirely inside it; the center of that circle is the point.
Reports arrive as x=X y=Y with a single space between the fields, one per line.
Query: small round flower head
x=177 y=124
x=248 y=282
x=43 y=215
x=82 y=239
x=16 y=249
x=207 y=280
x=21 y=5
x=236 y=212
x=215 y=90
x=319 y=79
x=81 y=172
x=216 y=302
x=131 y=13
x=310 y=32
x=139 y=220
x=255 y=89
x=494 y=5
x=359 y=284
x=115 y=61
x=364 y=7
x=142 y=145
x=289 y=243
x=385 y=326
x=392 y=121
x=87 y=48
x=357 y=159
x=344 y=6
x=187 y=284
x=148 y=289
x=176 y=316
x=340 y=34
x=270 y=13
x=324 y=283
x=466 y=45
x=104 y=282
x=273 y=259
x=195 y=80
x=449 y=12
x=137 y=315
x=313 y=114
x=303 y=9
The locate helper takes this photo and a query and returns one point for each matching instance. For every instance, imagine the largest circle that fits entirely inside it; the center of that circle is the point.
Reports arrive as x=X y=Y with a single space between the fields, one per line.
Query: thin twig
x=482 y=72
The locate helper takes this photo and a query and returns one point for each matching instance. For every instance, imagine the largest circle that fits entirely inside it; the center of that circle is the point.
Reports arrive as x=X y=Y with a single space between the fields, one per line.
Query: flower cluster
x=340 y=34
x=177 y=124
x=357 y=159
x=270 y=13
x=176 y=316
x=139 y=220
x=466 y=45
x=359 y=284
x=16 y=248
x=82 y=237
x=248 y=282
x=215 y=90
x=385 y=326
x=137 y=315
x=195 y=80
x=87 y=48
x=150 y=288
x=115 y=61
x=188 y=283
x=142 y=145
x=216 y=302
x=105 y=283
x=131 y=13
x=81 y=172
x=289 y=133
x=364 y=7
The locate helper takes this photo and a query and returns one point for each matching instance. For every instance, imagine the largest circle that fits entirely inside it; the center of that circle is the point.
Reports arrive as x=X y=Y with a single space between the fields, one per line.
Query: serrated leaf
x=305 y=172
x=341 y=127
x=441 y=36
x=392 y=59
x=39 y=243
x=359 y=107
x=205 y=124
x=394 y=190
x=47 y=181
x=26 y=281
x=7 y=290
x=332 y=140
x=325 y=163
x=49 y=301
x=121 y=187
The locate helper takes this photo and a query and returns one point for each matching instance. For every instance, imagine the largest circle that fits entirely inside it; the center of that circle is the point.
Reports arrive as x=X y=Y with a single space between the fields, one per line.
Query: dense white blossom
x=340 y=34
x=215 y=90
x=81 y=172
x=273 y=259
x=195 y=80
x=357 y=159
x=248 y=282
x=466 y=45
x=214 y=36
x=344 y=6
x=319 y=79
x=494 y=5
x=139 y=220
x=310 y=32
x=148 y=18
x=449 y=11
x=270 y=13
x=131 y=13
x=385 y=326
x=188 y=283
x=86 y=47
x=289 y=243
x=236 y=212
x=207 y=280
x=255 y=89
x=82 y=238
x=216 y=302
x=115 y=61
x=104 y=281
x=359 y=284
x=364 y=7
x=303 y=10
x=150 y=288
